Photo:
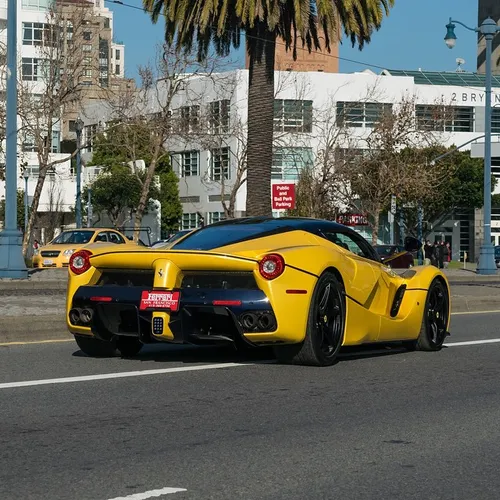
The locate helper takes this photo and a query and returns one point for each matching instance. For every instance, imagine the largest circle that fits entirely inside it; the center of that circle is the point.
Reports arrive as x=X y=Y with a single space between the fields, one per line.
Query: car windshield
x=67 y=237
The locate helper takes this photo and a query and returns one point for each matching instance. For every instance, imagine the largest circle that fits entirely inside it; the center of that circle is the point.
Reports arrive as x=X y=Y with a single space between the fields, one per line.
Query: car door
x=363 y=276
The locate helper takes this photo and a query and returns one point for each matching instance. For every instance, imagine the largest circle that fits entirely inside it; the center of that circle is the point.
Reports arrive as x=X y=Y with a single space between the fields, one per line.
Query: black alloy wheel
x=435 y=319
x=95 y=348
x=325 y=327
x=128 y=346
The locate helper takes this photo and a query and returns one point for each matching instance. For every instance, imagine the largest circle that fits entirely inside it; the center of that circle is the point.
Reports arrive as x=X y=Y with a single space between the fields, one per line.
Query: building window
x=288 y=162
x=445 y=118
x=186 y=164
x=40 y=5
x=117 y=69
x=189 y=221
x=38 y=34
x=72 y=126
x=87 y=36
x=32 y=69
x=218 y=120
x=361 y=114
x=33 y=171
x=190 y=118
x=87 y=47
x=69 y=32
x=219 y=164
x=214 y=217
x=293 y=116
x=495 y=120
x=87 y=72
x=28 y=145
x=117 y=55
x=56 y=141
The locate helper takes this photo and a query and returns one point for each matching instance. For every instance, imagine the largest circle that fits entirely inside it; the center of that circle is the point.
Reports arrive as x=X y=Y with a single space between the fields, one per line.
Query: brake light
x=271 y=266
x=80 y=261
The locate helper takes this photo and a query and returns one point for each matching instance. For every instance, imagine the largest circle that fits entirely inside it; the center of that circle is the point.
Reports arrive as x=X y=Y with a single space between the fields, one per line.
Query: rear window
x=217 y=236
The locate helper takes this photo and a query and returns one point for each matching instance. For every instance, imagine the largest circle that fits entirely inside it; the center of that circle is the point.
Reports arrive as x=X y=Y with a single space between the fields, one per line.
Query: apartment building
x=91 y=57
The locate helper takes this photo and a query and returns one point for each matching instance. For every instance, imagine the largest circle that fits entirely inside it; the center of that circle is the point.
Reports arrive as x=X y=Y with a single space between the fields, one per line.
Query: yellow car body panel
x=61 y=253
x=370 y=287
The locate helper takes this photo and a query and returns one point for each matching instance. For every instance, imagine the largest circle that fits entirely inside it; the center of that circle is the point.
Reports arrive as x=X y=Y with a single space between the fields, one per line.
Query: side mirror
x=412 y=244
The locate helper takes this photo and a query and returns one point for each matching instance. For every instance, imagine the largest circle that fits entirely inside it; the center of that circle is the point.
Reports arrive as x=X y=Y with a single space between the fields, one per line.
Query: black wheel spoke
x=329 y=319
x=437 y=314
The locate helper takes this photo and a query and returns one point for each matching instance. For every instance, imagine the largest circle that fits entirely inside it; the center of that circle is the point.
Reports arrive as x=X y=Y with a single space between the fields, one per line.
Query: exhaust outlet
x=74 y=316
x=86 y=316
x=249 y=321
x=266 y=322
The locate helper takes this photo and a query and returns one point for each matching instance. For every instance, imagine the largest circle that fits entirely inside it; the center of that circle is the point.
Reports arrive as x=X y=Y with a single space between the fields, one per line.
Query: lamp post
x=25 y=176
x=78 y=205
x=12 y=264
x=488 y=29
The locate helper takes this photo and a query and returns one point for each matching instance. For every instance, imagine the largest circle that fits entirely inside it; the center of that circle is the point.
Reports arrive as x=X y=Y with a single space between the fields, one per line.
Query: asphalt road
x=383 y=424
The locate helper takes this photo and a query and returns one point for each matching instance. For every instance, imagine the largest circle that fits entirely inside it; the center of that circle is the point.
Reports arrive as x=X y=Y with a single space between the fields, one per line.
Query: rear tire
x=433 y=331
x=325 y=327
x=129 y=346
x=95 y=348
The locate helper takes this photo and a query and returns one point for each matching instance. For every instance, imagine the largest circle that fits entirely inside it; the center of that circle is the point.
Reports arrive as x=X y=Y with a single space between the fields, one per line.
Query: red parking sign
x=283 y=196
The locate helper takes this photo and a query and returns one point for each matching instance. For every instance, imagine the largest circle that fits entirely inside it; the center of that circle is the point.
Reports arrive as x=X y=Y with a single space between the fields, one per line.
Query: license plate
x=160 y=300
x=48 y=262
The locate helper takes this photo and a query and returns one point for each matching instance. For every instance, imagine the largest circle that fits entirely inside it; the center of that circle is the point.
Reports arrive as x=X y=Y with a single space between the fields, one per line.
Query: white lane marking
x=150 y=494
x=496 y=311
x=473 y=342
x=104 y=376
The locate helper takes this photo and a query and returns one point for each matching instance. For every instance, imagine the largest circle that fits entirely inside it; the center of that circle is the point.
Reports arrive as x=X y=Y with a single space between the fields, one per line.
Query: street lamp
x=26 y=176
x=78 y=206
x=488 y=29
x=12 y=264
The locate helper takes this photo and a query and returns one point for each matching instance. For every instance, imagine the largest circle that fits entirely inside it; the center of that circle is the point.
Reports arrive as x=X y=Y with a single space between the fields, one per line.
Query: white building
x=207 y=167
x=59 y=191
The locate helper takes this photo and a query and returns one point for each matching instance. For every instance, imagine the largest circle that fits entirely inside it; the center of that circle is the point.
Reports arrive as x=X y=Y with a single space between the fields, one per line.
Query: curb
x=30 y=329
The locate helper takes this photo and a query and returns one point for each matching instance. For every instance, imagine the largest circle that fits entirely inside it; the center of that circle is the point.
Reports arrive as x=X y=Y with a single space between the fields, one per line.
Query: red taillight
x=80 y=261
x=226 y=302
x=101 y=299
x=271 y=266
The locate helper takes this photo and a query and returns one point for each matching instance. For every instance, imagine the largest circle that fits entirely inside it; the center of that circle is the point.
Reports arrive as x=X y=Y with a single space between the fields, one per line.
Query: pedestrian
x=440 y=254
x=434 y=254
x=447 y=254
x=428 y=251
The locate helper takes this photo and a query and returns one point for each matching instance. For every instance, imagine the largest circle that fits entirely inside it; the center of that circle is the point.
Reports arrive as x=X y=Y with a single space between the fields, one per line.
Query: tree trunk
x=261 y=50
x=375 y=226
x=34 y=208
x=141 y=208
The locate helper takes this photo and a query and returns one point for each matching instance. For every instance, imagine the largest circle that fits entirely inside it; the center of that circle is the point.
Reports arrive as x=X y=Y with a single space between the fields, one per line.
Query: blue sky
x=410 y=38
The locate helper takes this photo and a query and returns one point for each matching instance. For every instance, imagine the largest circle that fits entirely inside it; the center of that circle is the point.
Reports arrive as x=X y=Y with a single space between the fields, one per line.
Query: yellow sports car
x=304 y=286
x=61 y=248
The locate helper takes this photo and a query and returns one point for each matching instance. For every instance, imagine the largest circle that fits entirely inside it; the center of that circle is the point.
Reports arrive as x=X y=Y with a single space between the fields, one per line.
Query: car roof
x=267 y=223
x=233 y=231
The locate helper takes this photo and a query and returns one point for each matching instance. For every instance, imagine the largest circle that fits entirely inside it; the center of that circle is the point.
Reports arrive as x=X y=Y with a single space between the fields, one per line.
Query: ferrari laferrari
x=305 y=287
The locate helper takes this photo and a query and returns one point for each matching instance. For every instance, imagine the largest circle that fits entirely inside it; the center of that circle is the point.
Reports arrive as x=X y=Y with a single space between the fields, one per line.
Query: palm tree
x=206 y=23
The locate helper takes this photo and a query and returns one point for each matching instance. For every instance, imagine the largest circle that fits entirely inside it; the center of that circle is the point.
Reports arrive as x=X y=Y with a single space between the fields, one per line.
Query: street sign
x=393 y=205
x=352 y=220
x=283 y=196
